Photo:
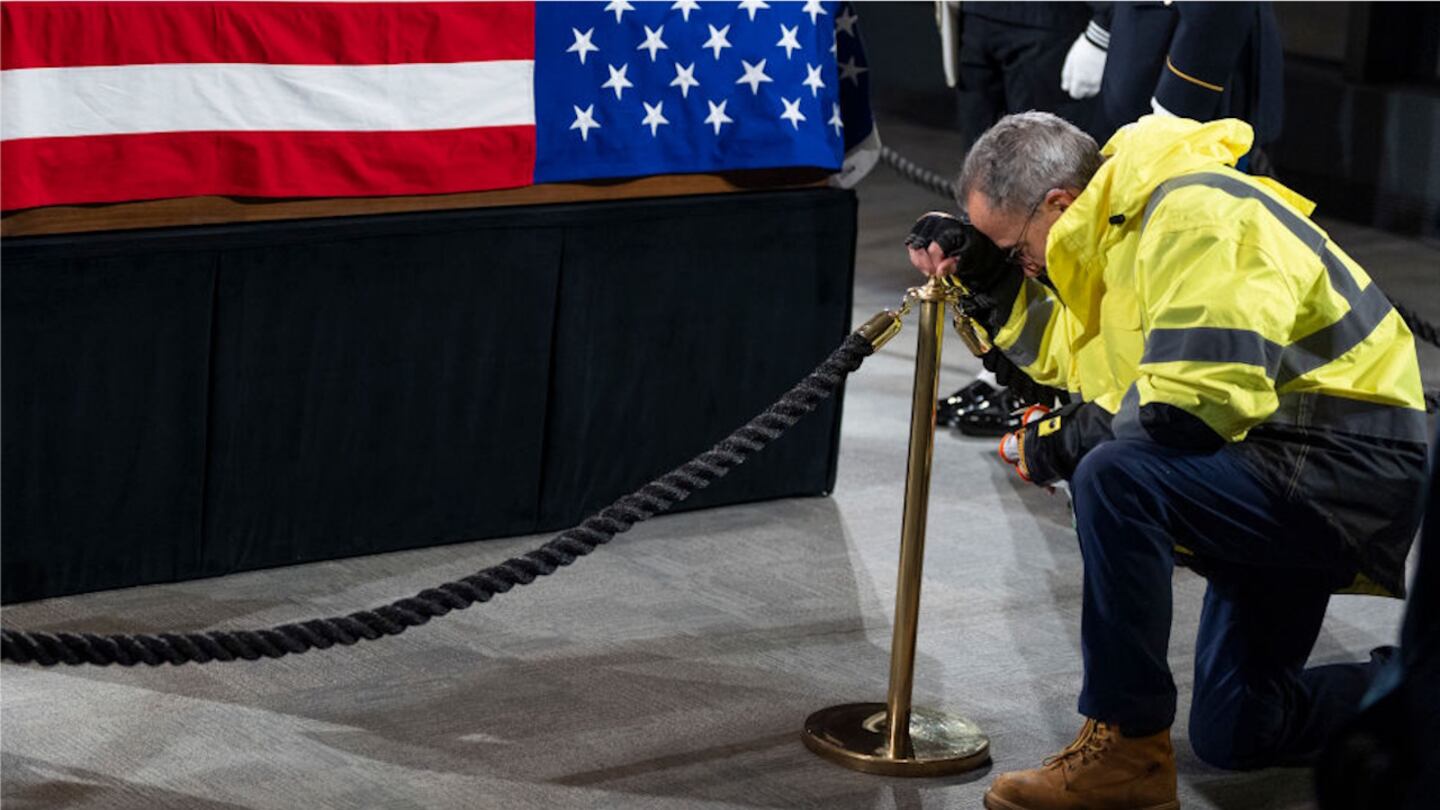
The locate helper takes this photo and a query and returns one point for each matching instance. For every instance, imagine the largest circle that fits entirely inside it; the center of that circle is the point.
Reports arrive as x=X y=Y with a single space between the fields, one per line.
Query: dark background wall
x=1362 y=111
x=1362 y=108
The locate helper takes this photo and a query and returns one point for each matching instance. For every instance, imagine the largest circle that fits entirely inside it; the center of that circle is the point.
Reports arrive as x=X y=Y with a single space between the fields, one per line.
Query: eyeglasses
x=1016 y=253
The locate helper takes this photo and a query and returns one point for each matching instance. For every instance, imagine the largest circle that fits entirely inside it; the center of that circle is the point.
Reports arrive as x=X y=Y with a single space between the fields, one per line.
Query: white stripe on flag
x=51 y=102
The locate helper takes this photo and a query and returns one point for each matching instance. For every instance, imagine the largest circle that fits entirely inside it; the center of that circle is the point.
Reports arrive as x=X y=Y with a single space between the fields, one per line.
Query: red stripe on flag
x=64 y=34
x=116 y=168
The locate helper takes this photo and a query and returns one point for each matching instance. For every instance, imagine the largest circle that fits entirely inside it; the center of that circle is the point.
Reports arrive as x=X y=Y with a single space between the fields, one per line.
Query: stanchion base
x=853 y=735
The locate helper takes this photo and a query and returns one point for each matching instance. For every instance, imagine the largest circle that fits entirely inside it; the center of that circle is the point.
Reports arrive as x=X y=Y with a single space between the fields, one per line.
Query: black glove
x=1014 y=378
x=980 y=266
x=1051 y=448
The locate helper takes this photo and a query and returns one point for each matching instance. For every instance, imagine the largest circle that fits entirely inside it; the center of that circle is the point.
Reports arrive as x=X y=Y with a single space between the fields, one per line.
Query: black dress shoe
x=994 y=416
x=971 y=396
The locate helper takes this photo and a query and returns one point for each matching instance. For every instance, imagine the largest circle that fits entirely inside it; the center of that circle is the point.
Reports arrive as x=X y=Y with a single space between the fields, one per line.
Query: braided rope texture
x=656 y=497
x=919 y=175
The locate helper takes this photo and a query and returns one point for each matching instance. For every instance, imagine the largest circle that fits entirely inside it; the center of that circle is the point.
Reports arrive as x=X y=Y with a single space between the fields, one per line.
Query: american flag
x=113 y=101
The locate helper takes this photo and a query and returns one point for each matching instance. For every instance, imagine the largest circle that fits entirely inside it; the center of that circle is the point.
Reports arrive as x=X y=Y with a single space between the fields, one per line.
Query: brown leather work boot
x=1101 y=770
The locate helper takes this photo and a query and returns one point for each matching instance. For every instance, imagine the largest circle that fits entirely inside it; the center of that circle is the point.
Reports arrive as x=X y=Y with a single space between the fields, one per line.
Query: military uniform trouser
x=1271 y=564
x=1006 y=68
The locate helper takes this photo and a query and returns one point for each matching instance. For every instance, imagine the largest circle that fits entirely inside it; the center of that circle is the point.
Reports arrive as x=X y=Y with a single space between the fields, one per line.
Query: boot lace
x=1088 y=745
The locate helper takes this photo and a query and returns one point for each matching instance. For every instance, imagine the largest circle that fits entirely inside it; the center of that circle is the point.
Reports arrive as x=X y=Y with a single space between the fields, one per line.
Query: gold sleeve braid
x=1187 y=77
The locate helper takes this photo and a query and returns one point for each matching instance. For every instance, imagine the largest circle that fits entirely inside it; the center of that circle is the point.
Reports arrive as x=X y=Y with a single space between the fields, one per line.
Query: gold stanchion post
x=894 y=738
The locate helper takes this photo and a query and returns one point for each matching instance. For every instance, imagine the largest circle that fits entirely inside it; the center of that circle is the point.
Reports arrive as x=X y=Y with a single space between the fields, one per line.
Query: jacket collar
x=1138 y=158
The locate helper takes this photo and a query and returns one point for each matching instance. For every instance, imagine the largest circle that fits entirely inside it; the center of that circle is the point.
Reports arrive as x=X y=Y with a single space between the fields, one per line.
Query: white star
x=653 y=42
x=582 y=45
x=717 y=115
x=619 y=7
x=685 y=77
x=832 y=47
x=687 y=6
x=717 y=39
x=585 y=121
x=617 y=81
x=792 y=112
x=812 y=79
x=753 y=6
x=814 y=9
x=653 y=117
x=835 y=119
x=846 y=21
x=754 y=76
x=787 y=40
x=850 y=70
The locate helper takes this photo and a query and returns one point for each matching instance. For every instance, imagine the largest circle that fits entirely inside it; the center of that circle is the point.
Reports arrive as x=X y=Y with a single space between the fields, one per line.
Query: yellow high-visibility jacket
x=1179 y=280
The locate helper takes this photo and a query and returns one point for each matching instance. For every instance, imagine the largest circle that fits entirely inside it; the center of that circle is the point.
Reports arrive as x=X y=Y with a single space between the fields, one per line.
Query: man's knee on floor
x=1237 y=735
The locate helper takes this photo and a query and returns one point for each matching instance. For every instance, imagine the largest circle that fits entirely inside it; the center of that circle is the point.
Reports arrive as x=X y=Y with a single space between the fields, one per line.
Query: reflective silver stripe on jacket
x=1039 y=308
x=1310 y=411
x=1368 y=307
x=1323 y=412
x=1213 y=344
x=1334 y=341
x=1306 y=232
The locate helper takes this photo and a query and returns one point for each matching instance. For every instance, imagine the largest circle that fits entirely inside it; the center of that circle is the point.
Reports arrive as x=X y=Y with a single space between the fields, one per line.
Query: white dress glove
x=947 y=17
x=1158 y=110
x=1084 y=68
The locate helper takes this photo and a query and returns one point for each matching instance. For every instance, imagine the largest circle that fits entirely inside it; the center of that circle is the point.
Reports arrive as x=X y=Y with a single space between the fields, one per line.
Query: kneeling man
x=1245 y=401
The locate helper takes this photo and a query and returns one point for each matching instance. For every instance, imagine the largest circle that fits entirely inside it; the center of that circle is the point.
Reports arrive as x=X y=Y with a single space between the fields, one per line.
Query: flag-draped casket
x=191 y=401
x=114 y=101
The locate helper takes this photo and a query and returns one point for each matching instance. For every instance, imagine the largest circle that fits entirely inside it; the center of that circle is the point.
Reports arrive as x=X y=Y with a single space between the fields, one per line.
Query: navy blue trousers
x=1271 y=565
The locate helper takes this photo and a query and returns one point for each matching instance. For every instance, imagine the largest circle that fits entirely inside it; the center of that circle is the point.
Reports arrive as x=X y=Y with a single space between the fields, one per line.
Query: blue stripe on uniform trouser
x=1275 y=565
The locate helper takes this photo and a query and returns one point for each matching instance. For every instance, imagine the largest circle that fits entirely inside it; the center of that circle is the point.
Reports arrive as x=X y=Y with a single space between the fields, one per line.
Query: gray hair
x=1024 y=156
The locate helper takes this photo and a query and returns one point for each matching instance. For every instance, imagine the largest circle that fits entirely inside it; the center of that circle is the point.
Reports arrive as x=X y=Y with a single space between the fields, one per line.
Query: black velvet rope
x=49 y=649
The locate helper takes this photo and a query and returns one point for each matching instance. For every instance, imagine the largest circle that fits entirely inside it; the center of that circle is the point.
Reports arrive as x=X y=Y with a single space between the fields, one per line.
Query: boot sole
x=993 y=802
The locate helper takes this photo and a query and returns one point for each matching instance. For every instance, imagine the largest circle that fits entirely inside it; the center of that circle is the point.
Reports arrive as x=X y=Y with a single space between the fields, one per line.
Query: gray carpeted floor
x=671 y=669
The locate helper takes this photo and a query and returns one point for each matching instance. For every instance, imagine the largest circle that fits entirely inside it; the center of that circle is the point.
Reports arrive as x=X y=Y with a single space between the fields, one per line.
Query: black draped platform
x=190 y=402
